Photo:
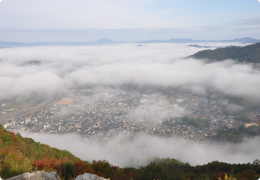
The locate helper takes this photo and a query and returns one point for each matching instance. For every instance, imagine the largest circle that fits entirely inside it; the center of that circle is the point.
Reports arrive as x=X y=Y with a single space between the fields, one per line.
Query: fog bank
x=121 y=152
x=53 y=68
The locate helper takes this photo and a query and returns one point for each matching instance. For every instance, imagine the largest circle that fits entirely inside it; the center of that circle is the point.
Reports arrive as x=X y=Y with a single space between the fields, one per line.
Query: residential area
x=104 y=113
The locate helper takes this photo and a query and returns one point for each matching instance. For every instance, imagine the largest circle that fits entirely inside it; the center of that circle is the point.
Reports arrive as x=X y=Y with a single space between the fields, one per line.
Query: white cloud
x=152 y=110
x=153 y=64
x=40 y=82
x=233 y=108
x=121 y=152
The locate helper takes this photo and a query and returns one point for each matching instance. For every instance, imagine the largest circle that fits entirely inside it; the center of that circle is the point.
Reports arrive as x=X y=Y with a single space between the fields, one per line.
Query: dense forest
x=250 y=54
x=175 y=170
x=19 y=155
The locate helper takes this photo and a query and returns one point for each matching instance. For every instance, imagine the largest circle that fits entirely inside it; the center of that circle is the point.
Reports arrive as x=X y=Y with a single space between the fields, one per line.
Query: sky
x=127 y=20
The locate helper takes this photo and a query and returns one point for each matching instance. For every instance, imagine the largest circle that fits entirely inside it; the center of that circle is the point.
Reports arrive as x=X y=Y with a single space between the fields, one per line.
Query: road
x=44 y=103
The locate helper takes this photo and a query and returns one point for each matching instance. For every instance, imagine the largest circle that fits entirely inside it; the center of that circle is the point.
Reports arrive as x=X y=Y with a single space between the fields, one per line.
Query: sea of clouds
x=160 y=65
x=163 y=65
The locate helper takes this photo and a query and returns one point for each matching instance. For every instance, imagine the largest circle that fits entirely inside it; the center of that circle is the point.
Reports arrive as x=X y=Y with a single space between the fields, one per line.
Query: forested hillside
x=171 y=169
x=250 y=53
x=18 y=154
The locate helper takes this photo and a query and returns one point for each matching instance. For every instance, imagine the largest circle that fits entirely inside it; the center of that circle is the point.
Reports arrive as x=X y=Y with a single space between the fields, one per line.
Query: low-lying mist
x=122 y=152
x=42 y=70
x=53 y=68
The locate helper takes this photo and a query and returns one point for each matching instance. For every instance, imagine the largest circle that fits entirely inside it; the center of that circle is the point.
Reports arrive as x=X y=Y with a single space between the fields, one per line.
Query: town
x=103 y=112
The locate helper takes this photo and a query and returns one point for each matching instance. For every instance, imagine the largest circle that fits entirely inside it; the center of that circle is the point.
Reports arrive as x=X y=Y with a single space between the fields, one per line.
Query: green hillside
x=18 y=154
x=250 y=53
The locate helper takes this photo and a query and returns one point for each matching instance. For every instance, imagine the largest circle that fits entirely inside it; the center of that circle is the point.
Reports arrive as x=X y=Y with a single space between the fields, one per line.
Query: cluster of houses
x=105 y=114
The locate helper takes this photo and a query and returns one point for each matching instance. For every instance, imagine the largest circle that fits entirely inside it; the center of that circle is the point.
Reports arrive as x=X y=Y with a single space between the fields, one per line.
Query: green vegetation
x=168 y=169
x=250 y=54
x=19 y=155
x=236 y=135
x=189 y=121
x=158 y=171
x=196 y=122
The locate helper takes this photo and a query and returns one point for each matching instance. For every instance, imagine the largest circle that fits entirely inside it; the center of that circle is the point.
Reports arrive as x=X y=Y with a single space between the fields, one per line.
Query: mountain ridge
x=106 y=41
x=248 y=54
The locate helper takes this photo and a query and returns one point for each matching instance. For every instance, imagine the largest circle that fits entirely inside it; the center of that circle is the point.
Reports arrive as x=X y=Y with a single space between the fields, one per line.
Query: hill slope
x=250 y=53
x=19 y=155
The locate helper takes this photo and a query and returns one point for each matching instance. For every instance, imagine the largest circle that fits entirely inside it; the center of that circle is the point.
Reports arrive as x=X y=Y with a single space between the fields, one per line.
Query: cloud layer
x=152 y=110
x=122 y=152
x=53 y=68
x=152 y=64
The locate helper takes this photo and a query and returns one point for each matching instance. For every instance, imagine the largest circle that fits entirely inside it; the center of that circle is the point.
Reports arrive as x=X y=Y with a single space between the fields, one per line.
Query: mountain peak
x=105 y=41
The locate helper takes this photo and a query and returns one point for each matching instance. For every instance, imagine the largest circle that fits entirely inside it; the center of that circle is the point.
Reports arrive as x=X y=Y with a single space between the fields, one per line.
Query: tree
x=256 y=162
x=227 y=178
x=68 y=170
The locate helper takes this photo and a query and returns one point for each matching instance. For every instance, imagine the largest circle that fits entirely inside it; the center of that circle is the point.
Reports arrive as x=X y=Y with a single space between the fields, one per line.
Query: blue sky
x=90 y=20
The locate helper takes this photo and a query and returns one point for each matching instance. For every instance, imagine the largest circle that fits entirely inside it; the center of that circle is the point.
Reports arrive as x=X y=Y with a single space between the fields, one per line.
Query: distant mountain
x=250 y=53
x=10 y=44
x=105 y=41
x=239 y=40
x=197 y=46
x=17 y=44
x=109 y=41
x=244 y=40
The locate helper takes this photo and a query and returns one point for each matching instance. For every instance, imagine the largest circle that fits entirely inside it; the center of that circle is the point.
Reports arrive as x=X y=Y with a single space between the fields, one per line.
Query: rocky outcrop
x=88 y=176
x=39 y=175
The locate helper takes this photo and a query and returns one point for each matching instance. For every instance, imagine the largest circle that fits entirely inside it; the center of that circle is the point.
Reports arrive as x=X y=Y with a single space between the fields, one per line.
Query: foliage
x=163 y=169
x=250 y=53
x=158 y=171
x=236 y=135
x=18 y=155
x=196 y=122
x=227 y=178
x=105 y=169
x=68 y=170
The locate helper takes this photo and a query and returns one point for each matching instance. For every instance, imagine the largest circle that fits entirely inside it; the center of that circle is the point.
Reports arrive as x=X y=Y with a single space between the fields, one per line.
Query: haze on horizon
x=135 y=20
